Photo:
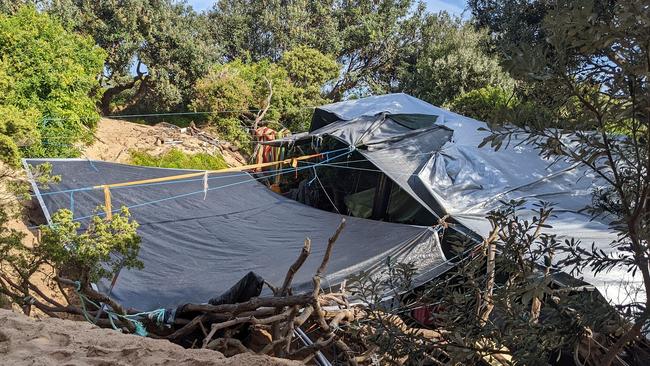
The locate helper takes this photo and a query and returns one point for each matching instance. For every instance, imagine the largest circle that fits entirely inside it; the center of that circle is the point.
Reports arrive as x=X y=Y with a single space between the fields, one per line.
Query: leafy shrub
x=484 y=104
x=48 y=78
x=498 y=106
x=236 y=91
x=99 y=251
x=175 y=158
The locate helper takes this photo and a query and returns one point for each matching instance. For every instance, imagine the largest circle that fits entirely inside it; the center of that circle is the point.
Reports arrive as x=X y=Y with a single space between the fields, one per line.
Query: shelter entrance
x=350 y=185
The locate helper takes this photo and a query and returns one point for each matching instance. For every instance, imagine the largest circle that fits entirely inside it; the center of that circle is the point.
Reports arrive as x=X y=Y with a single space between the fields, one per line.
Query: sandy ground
x=26 y=341
x=116 y=137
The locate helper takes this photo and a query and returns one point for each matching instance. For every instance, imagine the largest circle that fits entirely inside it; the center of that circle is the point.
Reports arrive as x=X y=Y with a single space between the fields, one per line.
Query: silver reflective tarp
x=443 y=168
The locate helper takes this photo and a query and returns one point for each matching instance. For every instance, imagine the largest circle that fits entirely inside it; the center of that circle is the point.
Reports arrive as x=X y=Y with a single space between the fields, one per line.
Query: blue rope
x=280 y=172
x=72 y=203
x=202 y=190
x=176 y=181
x=92 y=165
x=157 y=316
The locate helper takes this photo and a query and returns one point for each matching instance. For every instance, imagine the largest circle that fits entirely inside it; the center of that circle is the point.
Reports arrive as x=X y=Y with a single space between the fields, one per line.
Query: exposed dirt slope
x=116 y=137
x=27 y=341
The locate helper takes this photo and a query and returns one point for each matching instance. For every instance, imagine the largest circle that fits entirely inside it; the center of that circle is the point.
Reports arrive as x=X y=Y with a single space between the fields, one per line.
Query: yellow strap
x=107 y=202
x=197 y=174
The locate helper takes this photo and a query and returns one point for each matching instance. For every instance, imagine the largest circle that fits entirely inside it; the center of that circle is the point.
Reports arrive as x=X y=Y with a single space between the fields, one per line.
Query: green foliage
x=175 y=158
x=240 y=90
x=373 y=35
x=510 y=22
x=265 y=30
x=89 y=253
x=594 y=56
x=93 y=252
x=498 y=106
x=309 y=71
x=167 y=41
x=364 y=36
x=308 y=67
x=482 y=311
x=97 y=252
x=450 y=59
x=48 y=78
x=12 y=6
x=484 y=104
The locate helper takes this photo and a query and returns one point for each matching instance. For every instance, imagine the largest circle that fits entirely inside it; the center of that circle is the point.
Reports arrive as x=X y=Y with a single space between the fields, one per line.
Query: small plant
x=85 y=254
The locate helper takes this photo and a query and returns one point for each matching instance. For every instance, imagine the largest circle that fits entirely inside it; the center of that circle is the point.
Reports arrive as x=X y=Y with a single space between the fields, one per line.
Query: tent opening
x=351 y=185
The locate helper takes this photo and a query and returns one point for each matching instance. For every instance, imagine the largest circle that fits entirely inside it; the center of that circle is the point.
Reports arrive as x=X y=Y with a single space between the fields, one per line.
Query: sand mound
x=27 y=341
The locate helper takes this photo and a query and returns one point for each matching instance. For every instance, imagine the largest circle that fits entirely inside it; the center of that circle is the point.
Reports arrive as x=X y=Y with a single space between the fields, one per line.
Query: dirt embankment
x=49 y=341
x=115 y=138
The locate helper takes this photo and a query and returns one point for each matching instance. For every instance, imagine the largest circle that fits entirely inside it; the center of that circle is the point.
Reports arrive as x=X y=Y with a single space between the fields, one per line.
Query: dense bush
x=49 y=86
x=238 y=91
x=449 y=59
x=177 y=159
x=499 y=106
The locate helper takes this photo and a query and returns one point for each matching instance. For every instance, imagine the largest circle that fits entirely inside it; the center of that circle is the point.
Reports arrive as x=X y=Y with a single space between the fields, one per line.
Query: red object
x=423 y=315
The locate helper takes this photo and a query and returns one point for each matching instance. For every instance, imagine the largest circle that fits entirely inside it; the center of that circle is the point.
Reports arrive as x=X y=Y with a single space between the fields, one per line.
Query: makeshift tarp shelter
x=195 y=247
x=433 y=155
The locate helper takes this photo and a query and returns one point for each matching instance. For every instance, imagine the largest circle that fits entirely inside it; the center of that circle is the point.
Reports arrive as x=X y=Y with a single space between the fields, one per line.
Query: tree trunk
x=112 y=92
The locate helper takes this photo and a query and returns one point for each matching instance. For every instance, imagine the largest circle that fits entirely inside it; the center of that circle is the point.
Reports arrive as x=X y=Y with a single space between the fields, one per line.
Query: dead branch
x=187 y=328
x=490 y=243
x=250 y=305
x=270 y=347
x=293 y=269
x=267 y=105
x=319 y=273
x=286 y=286
x=307 y=352
x=249 y=319
x=224 y=344
x=302 y=318
x=288 y=330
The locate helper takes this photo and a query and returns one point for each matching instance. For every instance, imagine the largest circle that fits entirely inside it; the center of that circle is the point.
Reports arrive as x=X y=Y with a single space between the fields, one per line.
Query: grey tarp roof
x=452 y=175
x=194 y=249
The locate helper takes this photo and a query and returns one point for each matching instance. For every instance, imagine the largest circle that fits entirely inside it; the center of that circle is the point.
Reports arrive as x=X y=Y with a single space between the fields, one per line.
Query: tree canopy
x=380 y=46
x=157 y=49
x=449 y=58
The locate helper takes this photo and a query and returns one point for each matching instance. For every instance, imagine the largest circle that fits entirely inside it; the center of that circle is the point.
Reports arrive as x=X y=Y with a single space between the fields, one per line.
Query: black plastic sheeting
x=194 y=248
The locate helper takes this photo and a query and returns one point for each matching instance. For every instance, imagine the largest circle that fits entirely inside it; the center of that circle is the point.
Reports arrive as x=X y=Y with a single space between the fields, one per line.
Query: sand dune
x=27 y=341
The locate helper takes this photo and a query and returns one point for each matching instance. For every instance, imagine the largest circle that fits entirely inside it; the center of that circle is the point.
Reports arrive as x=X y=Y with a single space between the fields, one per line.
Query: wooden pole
x=107 y=202
x=197 y=174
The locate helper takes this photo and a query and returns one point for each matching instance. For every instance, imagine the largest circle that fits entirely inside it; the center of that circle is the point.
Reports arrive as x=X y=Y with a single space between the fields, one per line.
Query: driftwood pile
x=276 y=319
x=310 y=327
